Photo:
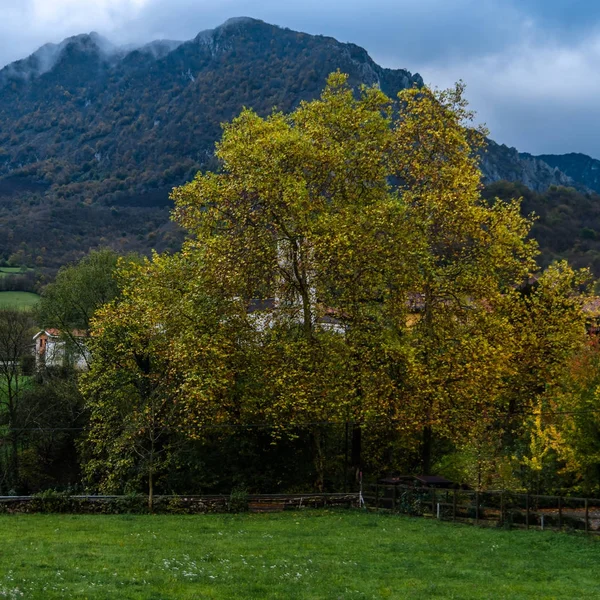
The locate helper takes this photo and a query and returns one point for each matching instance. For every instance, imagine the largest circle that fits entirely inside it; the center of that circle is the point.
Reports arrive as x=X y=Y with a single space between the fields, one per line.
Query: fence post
x=433 y=502
x=527 y=510
x=376 y=495
x=477 y=507
x=502 y=508
x=395 y=498
x=560 y=513
x=454 y=506
x=587 y=514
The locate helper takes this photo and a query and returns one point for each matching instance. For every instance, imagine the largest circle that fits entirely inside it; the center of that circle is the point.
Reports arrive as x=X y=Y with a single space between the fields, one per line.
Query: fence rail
x=499 y=507
x=83 y=503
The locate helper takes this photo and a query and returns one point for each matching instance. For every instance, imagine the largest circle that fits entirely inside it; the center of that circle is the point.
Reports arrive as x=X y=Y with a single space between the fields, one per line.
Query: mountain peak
x=47 y=56
x=239 y=21
x=232 y=25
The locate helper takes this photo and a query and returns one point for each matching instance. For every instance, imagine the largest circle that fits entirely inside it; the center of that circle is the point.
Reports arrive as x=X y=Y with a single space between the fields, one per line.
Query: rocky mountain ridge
x=502 y=163
x=581 y=168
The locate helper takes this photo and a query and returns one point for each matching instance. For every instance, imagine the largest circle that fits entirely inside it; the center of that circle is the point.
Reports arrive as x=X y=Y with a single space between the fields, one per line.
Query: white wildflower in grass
x=10 y=593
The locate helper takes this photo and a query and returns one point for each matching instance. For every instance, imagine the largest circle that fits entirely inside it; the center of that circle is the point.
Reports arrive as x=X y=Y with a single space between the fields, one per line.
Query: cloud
x=26 y=25
x=541 y=98
x=390 y=29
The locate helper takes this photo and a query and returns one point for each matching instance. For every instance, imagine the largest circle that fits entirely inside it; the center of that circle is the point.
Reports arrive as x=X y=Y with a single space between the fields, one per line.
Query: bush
x=238 y=500
x=51 y=501
x=131 y=504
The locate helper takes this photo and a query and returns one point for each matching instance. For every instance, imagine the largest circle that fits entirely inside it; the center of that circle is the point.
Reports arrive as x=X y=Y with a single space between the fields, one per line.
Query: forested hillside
x=92 y=139
x=567 y=221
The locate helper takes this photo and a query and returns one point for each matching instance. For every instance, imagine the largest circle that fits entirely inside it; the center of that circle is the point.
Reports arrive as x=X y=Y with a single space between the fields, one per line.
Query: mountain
x=94 y=136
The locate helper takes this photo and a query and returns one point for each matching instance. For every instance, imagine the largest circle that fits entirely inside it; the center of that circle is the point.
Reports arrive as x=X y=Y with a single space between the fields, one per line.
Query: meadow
x=18 y=299
x=344 y=554
x=5 y=271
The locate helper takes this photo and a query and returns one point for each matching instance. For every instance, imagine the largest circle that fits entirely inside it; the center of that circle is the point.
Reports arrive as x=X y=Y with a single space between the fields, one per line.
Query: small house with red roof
x=53 y=349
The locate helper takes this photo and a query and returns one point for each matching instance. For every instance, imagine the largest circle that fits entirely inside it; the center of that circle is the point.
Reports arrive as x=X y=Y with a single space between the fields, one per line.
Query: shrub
x=238 y=500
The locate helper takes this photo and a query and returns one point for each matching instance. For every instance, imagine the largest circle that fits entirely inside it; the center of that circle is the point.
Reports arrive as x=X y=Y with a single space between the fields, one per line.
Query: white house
x=265 y=312
x=52 y=349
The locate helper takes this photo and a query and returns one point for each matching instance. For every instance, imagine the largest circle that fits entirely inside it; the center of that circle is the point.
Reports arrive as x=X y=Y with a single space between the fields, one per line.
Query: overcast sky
x=532 y=67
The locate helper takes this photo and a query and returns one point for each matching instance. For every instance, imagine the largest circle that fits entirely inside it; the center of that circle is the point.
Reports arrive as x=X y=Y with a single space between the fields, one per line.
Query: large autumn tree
x=342 y=266
x=367 y=210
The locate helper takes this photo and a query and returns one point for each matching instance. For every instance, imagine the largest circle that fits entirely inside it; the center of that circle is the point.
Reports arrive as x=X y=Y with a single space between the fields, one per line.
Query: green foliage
x=51 y=501
x=78 y=290
x=15 y=342
x=238 y=500
x=567 y=222
x=52 y=416
x=161 y=370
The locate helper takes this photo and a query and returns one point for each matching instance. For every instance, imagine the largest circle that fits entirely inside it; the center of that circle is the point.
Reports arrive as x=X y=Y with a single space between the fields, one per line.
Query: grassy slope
x=18 y=299
x=313 y=555
x=13 y=270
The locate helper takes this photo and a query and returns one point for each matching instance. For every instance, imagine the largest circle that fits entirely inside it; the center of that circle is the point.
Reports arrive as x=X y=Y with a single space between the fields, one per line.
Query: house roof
x=329 y=320
x=55 y=333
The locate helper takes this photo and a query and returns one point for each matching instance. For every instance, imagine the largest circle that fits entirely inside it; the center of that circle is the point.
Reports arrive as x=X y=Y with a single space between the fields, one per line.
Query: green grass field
x=18 y=299
x=5 y=271
x=305 y=555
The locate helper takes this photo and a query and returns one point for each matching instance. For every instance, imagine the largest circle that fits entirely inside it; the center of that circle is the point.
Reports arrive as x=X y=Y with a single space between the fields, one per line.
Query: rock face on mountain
x=580 y=167
x=500 y=162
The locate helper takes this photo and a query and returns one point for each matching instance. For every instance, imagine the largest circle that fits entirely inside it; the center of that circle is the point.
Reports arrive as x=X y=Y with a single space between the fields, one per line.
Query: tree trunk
x=319 y=459
x=151 y=478
x=426 y=450
x=150 y=490
x=14 y=438
x=15 y=461
x=356 y=450
x=346 y=449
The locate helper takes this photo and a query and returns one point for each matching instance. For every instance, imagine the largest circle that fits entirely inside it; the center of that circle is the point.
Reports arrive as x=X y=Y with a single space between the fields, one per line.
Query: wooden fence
x=499 y=508
x=492 y=508
x=58 y=502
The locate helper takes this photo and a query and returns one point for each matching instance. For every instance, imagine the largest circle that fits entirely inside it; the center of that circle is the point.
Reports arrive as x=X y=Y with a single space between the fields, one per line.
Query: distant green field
x=4 y=271
x=24 y=383
x=18 y=299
